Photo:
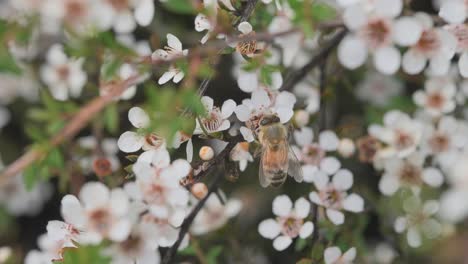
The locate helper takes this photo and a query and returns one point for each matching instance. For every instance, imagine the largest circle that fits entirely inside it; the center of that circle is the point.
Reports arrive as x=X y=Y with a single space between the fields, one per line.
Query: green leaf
x=30 y=176
x=213 y=254
x=111 y=118
x=84 y=254
x=55 y=159
x=300 y=244
x=188 y=251
x=180 y=6
x=7 y=62
x=322 y=12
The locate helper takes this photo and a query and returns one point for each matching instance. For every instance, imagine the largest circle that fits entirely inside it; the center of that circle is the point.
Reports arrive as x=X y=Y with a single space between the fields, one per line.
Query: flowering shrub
x=233 y=131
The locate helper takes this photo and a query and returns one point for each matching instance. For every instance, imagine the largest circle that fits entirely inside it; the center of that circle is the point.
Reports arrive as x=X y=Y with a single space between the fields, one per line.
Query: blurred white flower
x=291 y=43
x=408 y=172
x=333 y=255
x=453 y=11
x=131 y=141
x=289 y=223
x=418 y=221
x=400 y=133
x=123 y=16
x=214 y=215
x=100 y=213
x=378 y=89
x=64 y=77
x=241 y=154
x=435 y=45
x=157 y=185
x=99 y=162
x=333 y=196
x=313 y=155
x=438 y=98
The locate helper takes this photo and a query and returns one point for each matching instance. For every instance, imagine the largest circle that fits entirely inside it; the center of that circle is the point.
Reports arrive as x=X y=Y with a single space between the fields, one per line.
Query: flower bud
x=199 y=190
x=206 y=153
x=346 y=148
x=301 y=118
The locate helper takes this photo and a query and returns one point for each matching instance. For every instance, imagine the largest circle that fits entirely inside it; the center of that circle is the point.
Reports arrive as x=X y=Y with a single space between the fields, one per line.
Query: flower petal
x=282 y=205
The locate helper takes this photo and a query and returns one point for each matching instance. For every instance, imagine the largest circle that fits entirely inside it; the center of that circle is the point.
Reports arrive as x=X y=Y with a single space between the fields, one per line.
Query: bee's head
x=269 y=119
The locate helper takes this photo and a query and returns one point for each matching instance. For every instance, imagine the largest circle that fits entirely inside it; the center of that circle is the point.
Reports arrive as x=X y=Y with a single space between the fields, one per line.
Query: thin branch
x=298 y=75
x=185 y=227
x=78 y=122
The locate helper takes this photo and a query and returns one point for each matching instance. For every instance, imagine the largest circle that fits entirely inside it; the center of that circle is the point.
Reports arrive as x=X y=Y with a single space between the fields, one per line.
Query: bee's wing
x=294 y=168
x=264 y=180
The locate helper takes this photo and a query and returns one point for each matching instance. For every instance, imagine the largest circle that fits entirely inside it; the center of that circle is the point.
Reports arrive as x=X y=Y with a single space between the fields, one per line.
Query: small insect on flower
x=277 y=159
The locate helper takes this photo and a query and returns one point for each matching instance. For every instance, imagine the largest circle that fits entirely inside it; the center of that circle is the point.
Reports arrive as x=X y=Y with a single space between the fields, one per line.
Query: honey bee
x=277 y=159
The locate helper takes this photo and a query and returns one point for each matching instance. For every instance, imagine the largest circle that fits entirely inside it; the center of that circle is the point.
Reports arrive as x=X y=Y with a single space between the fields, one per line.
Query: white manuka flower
x=333 y=255
x=289 y=222
x=435 y=45
x=19 y=201
x=172 y=51
x=123 y=73
x=241 y=154
x=460 y=31
x=291 y=43
x=249 y=81
x=106 y=162
x=100 y=213
x=378 y=89
x=78 y=15
x=60 y=237
x=216 y=119
x=215 y=215
x=140 y=247
x=374 y=30
x=438 y=97
x=333 y=196
x=313 y=155
x=454 y=11
x=400 y=133
x=131 y=141
x=208 y=21
x=119 y=16
x=444 y=140
x=418 y=221
x=157 y=185
x=252 y=110
x=408 y=172
x=64 y=77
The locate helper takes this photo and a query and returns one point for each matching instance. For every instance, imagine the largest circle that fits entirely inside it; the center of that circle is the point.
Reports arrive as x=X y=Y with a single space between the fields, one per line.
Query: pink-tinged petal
x=349 y=255
x=331 y=255
x=433 y=177
x=247 y=81
x=387 y=60
x=352 y=52
x=282 y=205
x=118 y=202
x=242 y=113
x=160 y=158
x=178 y=77
x=306 y=230
x=353 y=203
x=94 y=195
x=228 y=108
x=336 y=217
x=245 y=27
x=387 y=8
x=120 y=230
x=413 y=62
x=453 y=11
x=269 y=228
x=302 y=208
x=207 y=102
x=174 y=42
x=304 y=136
x=167 y=76
x=247 y=134
x=282 y=242
x=388 y=185
x=343 y=179
x=315 y=198
x=72 y=212
x=138 y=117
x=260 y=99
x=130 y=142
x=144 y=12
x=407 y=31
